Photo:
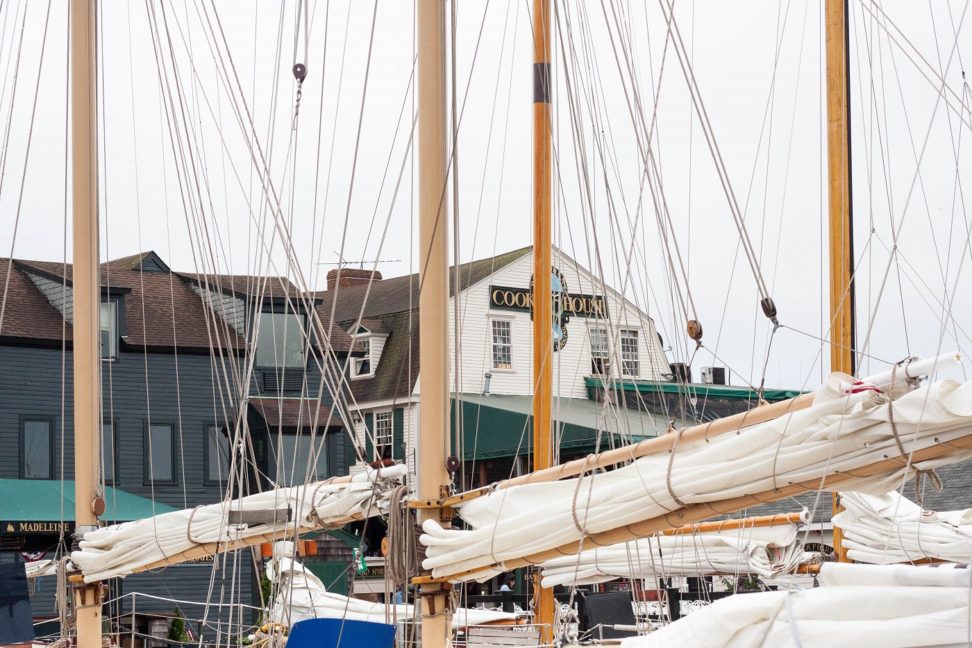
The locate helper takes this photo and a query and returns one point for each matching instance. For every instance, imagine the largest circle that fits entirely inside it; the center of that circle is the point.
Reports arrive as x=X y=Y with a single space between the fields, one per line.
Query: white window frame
x=384 y=428
x=493 y=321
x=357 y=363
x=108 y=327
x=627 y=361
x=604 y=355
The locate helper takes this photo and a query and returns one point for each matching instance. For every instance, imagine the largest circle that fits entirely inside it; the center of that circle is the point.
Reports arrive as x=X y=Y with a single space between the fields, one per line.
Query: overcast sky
x=758 y=67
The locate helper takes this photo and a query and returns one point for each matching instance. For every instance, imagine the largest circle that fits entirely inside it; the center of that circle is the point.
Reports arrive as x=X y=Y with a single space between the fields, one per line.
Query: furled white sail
x=765 y=551
x=889 y=528
x=840 y=433
x=301 y=595
x=122 y=549
x=893 y=606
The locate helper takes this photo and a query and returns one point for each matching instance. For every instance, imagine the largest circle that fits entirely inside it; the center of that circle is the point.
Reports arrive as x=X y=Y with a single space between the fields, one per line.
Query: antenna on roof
x=359 y=263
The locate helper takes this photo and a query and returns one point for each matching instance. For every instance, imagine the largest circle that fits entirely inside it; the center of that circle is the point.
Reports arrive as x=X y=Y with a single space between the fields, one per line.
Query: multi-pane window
x=629 y=352
x=294 y=451
x=362 y=365
x=383 y=429
x=217 y=455
x=502 y=344
x=160 y=453
x=600 y=352
x=108 y=451
x=280 y=340
x=109 y=330
x=37 y=460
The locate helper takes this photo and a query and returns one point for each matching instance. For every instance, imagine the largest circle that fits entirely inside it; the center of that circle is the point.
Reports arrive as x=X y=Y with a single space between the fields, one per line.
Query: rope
x=403 y=548
x=920 y=475
x=63 y=599
x=668 y=472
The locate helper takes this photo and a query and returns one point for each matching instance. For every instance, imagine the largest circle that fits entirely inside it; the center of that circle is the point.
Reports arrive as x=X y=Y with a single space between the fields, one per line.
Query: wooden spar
x=756 y=522
x=644 y=448
x=697 y=512
x=213 y=548
x=543 y=599
x=87 y=302
x=839 y=206
x=433 y=295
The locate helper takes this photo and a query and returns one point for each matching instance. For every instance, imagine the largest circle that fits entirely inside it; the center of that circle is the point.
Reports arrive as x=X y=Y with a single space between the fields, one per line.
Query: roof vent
x=714 y=376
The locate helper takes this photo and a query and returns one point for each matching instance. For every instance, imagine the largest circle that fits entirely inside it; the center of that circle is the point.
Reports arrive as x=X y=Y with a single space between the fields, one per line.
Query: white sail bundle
x=893 y=606
x=122 y=549
x=889 y=528
x=847 y=433
x=764 y=551
x=301 y=595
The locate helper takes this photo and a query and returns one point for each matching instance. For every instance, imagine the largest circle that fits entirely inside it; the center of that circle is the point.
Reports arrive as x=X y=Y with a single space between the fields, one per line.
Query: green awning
x=498 y=425
x=43 y=500
x=694 y=390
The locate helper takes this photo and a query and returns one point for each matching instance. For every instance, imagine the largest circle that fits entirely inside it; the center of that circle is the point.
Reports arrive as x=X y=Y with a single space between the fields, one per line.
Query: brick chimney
x=350 y=277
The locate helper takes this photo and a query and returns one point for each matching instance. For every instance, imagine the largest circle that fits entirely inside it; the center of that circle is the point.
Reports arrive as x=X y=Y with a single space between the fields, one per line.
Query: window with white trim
x=109 y=330
x=600 y=351
x=502 y=344
x=630 y=364
x=362 y=366
x=384 y=431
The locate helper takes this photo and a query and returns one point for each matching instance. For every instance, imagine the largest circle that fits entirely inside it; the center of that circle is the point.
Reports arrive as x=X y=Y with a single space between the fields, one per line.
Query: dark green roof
x=42 y=500
x=695 y=390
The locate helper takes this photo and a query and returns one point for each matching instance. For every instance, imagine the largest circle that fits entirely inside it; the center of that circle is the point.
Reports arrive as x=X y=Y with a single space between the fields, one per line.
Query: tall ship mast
x=87 y=298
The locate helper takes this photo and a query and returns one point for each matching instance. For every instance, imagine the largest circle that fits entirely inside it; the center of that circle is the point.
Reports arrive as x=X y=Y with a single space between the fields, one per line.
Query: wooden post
x=841 y=227
x=434 y=294
x=87 y=300
x=542 y=267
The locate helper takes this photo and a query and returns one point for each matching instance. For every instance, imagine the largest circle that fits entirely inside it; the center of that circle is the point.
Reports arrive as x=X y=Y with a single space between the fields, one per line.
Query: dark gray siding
x=138 y=388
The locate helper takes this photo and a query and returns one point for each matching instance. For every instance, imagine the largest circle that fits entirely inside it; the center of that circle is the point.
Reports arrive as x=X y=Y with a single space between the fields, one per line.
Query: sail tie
x=920 y=475
x=573 y=508
x=668 y=473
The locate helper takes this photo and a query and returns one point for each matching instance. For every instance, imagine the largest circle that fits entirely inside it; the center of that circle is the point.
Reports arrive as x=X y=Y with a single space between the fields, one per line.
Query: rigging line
x=654 y=183
x=896 y=229
x=330 y=159
x=13 y=97
x=354 y=162
x=320 y=130
x=456 y=251
x=927 y=72
x=249 y=371
x=668 y=10
x=23 y=177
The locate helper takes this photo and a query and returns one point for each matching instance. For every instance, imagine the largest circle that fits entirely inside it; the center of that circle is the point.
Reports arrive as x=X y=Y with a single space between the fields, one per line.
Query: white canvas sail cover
x=765 y=551
x=892 y=606
x=121 y=549
x=889 y=528
x=301 y=595
x=839 y=432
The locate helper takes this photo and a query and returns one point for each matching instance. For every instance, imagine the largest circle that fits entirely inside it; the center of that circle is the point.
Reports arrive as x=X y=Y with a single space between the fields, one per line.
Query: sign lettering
x=521 y=299
x=37 y=527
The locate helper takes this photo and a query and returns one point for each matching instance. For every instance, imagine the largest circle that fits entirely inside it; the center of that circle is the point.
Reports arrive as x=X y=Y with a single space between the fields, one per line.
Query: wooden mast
x=87 y=302
x=542 y=267
x=841 y=228
x=433 y=294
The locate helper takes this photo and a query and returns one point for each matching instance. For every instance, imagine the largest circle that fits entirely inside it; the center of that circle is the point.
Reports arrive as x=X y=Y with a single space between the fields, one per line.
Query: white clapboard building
x=608 y=341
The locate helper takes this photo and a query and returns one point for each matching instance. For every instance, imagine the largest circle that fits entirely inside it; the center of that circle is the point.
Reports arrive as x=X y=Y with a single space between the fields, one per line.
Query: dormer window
x=369 y=341
x=109 y=330
x=361 y=367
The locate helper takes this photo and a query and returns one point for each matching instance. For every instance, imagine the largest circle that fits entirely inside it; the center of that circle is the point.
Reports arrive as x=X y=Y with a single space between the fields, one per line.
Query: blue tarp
x=339 y=633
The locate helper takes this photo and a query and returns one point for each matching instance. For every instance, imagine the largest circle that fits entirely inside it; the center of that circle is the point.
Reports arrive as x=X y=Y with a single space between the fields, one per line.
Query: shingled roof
x=399 y=294
x=390 y=307
x=161 y=309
